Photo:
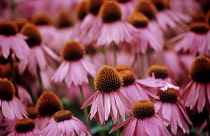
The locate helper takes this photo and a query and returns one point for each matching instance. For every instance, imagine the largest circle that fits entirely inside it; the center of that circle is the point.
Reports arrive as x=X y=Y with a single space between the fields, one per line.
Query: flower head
x=81 y=10
x=64 y=20
x=196 y=93
x=41 y=18
x=158 y=71
x=108 y=97
x=169 y=100
x=143 y=121
x=11 y=106
x=32 y=112
x=10 y=39
x=123 y=67
x=24 y=127
x=107 y=80
x=64 y=123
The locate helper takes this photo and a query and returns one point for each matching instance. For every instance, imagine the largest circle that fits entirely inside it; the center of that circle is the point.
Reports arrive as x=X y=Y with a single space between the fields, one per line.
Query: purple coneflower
x=108 y=100
x=10 y=106
x=66 y=124
x=47 y=104
x=143 y=122
x=113 y=28
x=197 y=92
x=169 y=106
x=11 y=40
x=75 y=67
x=25 y=127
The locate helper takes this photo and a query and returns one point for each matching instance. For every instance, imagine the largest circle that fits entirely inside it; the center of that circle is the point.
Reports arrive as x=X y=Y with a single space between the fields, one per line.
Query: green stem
x=40 y=80
x=142 y=74
x=134 y=61
x=85 y=111
x=115 y=53
x=105 y=56
x=13 y=76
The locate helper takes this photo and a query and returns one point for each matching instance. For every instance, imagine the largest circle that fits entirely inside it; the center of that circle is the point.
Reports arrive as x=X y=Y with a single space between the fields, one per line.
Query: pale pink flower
x=65 y=124
x=113 y=28
x=39 y=55
x=76 y=67
x=143 y=122
x=25 y=127
x=169 y=106
x=50 y=34
x=10 y=106
x=108 y=100
x=194 y=41
x=197 y=92
x=47 y=104
x=145 y=39
x=10 y=39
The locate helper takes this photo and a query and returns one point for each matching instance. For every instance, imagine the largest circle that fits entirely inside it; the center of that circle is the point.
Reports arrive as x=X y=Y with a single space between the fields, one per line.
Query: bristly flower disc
x=24 y=125
x=41 y=18
x=123 y=67
x=20 y=22
x=199 y=27
x=108 y=80
x=7 y=89
x=159 y=71
x=169 y=95
x=200 y=70
x=161 y=4
x=128 y=77
x=32 y=112
x=72 y=51
x=138 y=20
x=62 y=115
x=94 y=6
x=143 y=109
x=8 y=28
x=110 y=12
x=64 y=20
x=81 y=10
x=33 y=34
x=48 y=103
x=147 y=8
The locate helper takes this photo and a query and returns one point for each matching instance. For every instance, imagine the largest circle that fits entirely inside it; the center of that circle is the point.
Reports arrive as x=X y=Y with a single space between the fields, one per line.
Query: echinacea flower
x=193 y=41
x=143 y=122
x=169 y=106
x=47 y=104
x=149 y=10
x=50 y=34
x=108 y=100
x=25 y=127
x=10 y=39
x=75 y=67
x=32 y=112
x=39 y=55
x=10 y=106
x=197 y=92
x=91 y=24
x=131 y=89
x=113 y=28
x=66 y=124
x=145 y=39
x=169 y=19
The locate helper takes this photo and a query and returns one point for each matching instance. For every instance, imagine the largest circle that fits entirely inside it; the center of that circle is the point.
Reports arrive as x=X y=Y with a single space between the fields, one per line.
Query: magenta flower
x=113 y=28
x=10 y=39
x=143 y=122
x=91 y=24
x=145 y=39
x=197 y=92
x=76 y=67
x=47 y=104
x=10 y=106
x=25 y=127
x=65 y=124
x=108 y=100
x=194 y=41
x=169 y=106
x=40 y=54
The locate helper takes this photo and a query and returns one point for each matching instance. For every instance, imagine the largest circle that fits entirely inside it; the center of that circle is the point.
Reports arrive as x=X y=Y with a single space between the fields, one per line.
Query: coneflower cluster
x=104 y=67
